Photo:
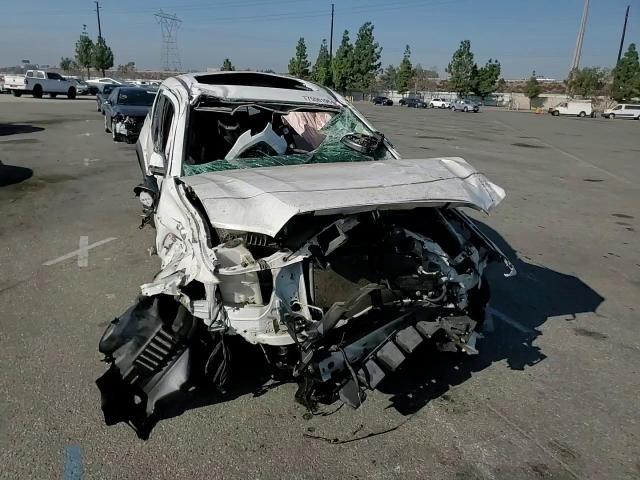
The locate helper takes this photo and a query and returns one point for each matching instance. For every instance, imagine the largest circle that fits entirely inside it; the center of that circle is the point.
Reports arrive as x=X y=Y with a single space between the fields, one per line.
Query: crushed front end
x=336 y=303
x=127 y=127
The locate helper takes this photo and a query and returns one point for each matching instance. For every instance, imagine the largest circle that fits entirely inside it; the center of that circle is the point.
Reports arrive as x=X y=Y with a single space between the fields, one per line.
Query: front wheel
x=37 y=91
x=582 y=114
x=106 y=125
x=71 y=93
x=466 y=109
x=555 y=113
x=612 y=116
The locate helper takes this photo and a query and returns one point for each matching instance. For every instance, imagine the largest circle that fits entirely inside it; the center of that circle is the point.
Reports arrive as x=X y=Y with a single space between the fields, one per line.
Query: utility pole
x=577 y=53
x=98 y=14
x=331 y=36
x=624 y=30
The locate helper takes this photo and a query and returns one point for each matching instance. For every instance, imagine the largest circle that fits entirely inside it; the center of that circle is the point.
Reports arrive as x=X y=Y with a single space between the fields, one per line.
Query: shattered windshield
x=138 y=98
x=252 y=137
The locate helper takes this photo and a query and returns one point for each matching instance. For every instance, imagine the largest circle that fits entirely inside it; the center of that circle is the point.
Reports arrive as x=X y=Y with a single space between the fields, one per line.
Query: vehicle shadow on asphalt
x=519 y=306
x=18 y=128
x=10 y=174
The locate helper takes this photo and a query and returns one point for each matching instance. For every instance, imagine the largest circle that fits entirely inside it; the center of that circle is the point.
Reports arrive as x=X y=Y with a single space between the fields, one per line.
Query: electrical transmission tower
x=577 y=53
x=169 y=24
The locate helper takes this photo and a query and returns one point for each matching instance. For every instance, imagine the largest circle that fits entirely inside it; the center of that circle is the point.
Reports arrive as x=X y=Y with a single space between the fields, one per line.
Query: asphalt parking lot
x=552 y=394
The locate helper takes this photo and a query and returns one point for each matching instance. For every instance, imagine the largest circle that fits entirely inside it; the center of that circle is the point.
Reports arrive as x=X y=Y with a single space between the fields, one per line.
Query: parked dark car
x=125 y=111
x=415 y=103
x=382 y=101
x=103 y=93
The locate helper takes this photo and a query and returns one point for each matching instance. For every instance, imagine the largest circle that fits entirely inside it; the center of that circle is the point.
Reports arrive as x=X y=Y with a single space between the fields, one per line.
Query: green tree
x=502 y=85
x=484 y=79
x=460 y=69
x=586 y=82
x=388 y=78
x=227 y=66
x=84 y=51
x=321 y=71
x=405 y=71
x=342 y=66
x=532 y=89
x=299 y=64
x=366 y=58
x=66 y=64
x=129 y=67
x=424 y=79
x=626 y=76
x=102 y=56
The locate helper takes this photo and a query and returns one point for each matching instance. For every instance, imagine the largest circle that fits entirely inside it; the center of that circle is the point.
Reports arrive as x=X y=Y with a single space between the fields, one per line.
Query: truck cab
x=39 y=83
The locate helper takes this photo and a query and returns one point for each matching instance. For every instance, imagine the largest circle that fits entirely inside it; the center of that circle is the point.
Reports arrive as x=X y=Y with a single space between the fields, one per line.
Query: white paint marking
x=82 y=253
x=508 y=320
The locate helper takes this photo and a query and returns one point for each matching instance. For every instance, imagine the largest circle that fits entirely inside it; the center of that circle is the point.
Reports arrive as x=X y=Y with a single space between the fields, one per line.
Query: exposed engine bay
x=335 y=305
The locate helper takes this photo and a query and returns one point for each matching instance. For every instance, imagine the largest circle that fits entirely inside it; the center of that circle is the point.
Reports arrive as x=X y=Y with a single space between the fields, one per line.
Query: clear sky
x=524 y=35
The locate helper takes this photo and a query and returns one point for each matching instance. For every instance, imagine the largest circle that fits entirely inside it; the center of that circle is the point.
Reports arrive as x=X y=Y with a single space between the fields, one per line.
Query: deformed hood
x=263 y=200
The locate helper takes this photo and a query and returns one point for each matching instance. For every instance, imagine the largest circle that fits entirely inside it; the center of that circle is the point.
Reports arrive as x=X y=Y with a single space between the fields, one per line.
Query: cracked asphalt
x=552 y=394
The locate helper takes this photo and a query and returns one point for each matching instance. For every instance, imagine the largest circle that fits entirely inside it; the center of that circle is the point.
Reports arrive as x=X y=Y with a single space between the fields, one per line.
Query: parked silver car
x=463 y=105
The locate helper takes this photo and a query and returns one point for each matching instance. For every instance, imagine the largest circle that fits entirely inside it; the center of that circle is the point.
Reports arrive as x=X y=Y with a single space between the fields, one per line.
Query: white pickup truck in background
x=38 y=83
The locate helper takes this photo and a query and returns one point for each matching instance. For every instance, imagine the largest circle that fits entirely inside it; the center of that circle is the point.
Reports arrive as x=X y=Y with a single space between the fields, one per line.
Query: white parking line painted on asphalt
x=508 y=320
x=82 y=252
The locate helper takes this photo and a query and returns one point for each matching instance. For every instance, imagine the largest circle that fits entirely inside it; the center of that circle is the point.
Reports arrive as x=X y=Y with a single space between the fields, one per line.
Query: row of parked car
x=461 y=104
x=124 y=108
x=38 y=83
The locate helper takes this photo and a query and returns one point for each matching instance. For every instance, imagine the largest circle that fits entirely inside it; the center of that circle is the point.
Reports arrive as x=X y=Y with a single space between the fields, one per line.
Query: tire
x=612 y=116
x=465 y=109
x=555 y=113
x=582 y=114
x=431 y=105
x=106 y=126
x=37 y=91
x=71 y=93
x=16 y=93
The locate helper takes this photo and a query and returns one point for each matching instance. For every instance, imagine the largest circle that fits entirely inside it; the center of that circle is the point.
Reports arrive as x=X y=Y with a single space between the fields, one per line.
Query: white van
x=579 y=109
x=624 y=110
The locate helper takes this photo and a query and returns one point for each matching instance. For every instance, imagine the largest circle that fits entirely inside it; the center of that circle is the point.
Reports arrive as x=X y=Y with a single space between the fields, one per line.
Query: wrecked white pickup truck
x=283 y=217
